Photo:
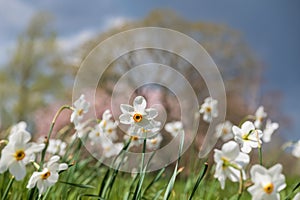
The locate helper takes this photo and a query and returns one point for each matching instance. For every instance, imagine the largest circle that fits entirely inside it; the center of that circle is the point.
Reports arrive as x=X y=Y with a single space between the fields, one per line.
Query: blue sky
x=271 y=28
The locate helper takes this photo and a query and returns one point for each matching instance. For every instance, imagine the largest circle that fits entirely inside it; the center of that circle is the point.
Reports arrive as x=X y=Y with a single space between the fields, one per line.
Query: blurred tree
x=238 y=65
x=34 y=75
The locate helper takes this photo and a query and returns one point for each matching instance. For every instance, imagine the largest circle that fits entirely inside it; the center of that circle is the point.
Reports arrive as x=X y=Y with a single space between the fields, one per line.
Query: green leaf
x=78 y=185
x=200 y=177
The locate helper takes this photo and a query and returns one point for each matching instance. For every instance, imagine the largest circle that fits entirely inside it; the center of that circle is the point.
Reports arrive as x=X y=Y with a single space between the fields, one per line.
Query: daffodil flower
x=224 y=131
x=247 y=136
x=267 y=182
x=209 y=109
x=138 y=115
x=260 y=114
x=154 y=142
x=174 y=128
x=19 y=151
x=269 y=130
x=48 y=176
x=56 y=146
x=230 y=162
x=81 y=106
x=109 y=127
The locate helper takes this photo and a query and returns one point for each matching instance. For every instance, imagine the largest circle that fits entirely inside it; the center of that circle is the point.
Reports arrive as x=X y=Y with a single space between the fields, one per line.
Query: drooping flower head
x=269 y=130
x=267 y=182
x=229 y=161
x=224 y=131
x=260 y=114
x=81 y=106
x=19 y=151
x=247 y=136
x=209 y=109
x=48 y=176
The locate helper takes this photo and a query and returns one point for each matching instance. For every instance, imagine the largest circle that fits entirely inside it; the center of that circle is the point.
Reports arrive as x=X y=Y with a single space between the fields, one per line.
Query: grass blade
x=78 y=185
x=199 y=179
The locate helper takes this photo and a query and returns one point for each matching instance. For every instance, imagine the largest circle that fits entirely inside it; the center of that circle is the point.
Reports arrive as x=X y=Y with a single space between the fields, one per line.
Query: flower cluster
x=19 y=151
x=233 y=157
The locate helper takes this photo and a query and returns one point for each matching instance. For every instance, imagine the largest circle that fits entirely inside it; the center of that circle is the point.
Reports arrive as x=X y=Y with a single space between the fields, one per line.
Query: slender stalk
x=260 y=155
x=51 y=129
x=200 y=177
x=246 y=118
x=8 y=188
x=241 y=185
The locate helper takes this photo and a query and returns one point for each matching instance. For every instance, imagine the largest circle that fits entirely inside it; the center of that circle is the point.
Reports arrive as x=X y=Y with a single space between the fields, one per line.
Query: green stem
x=241 y=185
x=260 y=155
x=50 y=131
x=246 y=118
x=8 y=187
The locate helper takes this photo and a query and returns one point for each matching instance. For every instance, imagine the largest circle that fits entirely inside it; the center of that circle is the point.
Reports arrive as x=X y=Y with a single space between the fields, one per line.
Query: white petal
x=126 y=118
x=246 y=148
x=231 y=150
x=125 y=108
x=151 y=113
x=276 y=169
x=53 y=178
x=257 y=169
x=41 y=186
x=247 y=127
x=242 y=159
x=236 y=131
x=18 y=170
x=33 y=179
x=139 y=104
x=34 y=148
x=62 y=166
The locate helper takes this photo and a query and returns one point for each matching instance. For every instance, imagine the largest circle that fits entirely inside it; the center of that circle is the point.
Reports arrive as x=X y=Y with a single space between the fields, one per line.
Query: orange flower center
x=97 y=134
x=109 y=131
x=80 y=112
x=137 y=117
x=19 y=155
x=45 y=175
x=269 y=188
x=134 y=138
x=154 y=141
x=225 y=131
x=208 y=109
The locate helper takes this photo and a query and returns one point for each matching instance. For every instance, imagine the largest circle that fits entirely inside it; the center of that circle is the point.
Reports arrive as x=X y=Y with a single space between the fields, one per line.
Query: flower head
x=267 y=182
x=209 y=109
x=138 y=115
x=154 y=142
x=229 y=161
x=260 y=114
x=111 y=149
x=296 y=149
x=223 y=130
x=81 y=106
x=48 y=176
x=269 y=130
x=174 y=128
x=247 y=136
x=109 y=127
x=57 y=147
x=19 y=151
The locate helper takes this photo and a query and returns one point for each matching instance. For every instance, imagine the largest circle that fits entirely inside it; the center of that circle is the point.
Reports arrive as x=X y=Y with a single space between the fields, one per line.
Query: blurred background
x=255 y=44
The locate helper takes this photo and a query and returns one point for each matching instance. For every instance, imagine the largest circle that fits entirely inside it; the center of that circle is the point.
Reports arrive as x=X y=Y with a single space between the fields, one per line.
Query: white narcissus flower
x=48 y=176
x=247 y=136
x=209 y=109
x=154 y=142
x=269 y=130
x=19 y=151
x=111 y=149
x=267 y=182
x=229 y=163
x=96 y=135
x=57 y=147
x=174 y=128
x=108 y=126
x=223 y=130
x=137 y=115
x=135 y=140
x=81 y=106
x=260 y=114
x=296 y=149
